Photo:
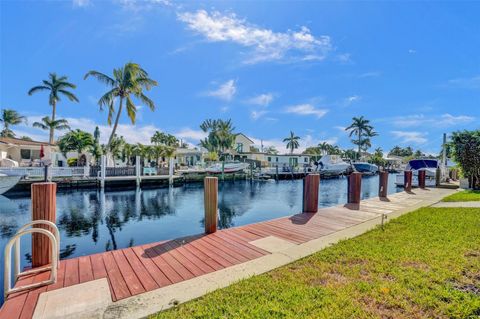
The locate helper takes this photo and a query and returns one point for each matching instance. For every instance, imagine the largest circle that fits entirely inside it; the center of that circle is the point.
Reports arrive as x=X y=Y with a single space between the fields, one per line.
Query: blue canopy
x=426 y=163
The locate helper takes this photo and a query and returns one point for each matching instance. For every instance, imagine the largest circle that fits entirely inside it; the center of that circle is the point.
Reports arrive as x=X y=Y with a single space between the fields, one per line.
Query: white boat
x=226 y=167
x=8 y=181
x=428 y=165
x=332 y=165
x=365 y=168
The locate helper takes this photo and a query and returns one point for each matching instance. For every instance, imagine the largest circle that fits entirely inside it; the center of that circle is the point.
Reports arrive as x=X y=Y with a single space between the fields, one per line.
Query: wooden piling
x=421 y=178
x=383 y=184
x=311 y=185
x=211 y=204
x=407 y=181
x=354 y=188
x=438 y=177
x=43 y=208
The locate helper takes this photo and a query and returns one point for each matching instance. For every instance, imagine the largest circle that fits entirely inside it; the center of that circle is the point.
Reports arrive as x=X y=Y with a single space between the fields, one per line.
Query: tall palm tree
x=221 y=136
x=47 y=124
x=10 y=118
x=57 y=86
x=292 y=142
x=362 y=129
x=127 y=81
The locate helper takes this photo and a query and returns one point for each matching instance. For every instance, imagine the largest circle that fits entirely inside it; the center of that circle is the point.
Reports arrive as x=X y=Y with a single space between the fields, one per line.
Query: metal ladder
x=15 y=241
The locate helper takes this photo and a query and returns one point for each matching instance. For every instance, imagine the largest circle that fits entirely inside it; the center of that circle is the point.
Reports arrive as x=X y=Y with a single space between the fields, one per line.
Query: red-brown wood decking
x=135 y=270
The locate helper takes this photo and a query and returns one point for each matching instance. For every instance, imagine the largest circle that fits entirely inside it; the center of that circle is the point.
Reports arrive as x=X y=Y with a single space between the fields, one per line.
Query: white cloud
x=306 y=109
x=351 y=99
x=436 y=121
x=371 y=74
x=465 y=83
x=255 y=115
x=81 y=3
x=305 y=141
x=412 y=51
x=191 y=134
x=263 y=99
x=340 y=128
x=410 y=137
x=266 y=44
x=225 y=92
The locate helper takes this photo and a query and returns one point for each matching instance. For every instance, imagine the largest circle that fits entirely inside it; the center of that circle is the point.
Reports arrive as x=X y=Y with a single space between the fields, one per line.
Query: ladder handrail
x=7 y=289
x=16 y=260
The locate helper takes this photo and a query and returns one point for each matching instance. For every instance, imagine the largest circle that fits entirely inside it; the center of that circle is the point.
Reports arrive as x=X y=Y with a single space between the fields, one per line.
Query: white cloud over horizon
x=410 y=137
x=443 y=120
x=225 y=91
x=306 y=109
x=265 y=44
x=262 y=100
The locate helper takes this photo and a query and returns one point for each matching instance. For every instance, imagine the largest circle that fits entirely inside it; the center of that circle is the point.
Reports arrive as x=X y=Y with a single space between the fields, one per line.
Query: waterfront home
x=243 y=143
x=20 y=152
x=189 y=157
x=272 y=160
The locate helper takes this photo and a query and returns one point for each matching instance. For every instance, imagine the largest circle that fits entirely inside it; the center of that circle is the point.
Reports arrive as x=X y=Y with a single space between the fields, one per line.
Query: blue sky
x=412 y=68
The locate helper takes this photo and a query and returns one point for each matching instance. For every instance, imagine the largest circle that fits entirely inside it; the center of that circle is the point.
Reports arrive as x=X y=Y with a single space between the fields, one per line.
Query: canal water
x=92 y=221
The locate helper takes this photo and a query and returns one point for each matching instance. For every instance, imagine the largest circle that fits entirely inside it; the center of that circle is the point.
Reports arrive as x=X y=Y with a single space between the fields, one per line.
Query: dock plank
x=151 y=267
x=128 y=274
x=85 y=269
x=71 y=272
x=142 y=273
x=116 y=280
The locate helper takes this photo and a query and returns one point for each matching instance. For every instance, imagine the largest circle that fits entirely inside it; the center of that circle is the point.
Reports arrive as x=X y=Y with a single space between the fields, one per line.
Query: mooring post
x=170 y=170
x=311 y=186
x=43 y=208
x=103 y=170
x=211 y=204
x=407 y=181
x=421 y=178
x=354 y=188
x=383 y=184
x=276 y=172
x=138 y=170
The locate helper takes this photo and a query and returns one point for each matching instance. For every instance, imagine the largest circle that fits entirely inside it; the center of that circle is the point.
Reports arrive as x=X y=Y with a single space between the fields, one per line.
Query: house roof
x=18 y=141
x=249 y=139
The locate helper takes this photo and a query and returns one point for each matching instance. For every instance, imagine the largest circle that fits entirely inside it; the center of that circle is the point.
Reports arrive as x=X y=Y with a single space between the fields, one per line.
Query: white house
x=189 y=157
x=242 y=143
x=26 y=153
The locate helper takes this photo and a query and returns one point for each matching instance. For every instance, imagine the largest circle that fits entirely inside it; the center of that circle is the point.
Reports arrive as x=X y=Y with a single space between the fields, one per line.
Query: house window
x=240 y=147
x=276 y=159
x=25 y=154
x=305 y=160
x=269 y=159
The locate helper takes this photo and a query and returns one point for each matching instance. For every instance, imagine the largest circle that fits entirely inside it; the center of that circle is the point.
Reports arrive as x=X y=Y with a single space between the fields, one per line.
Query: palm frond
x=38 y=88
x=131 y=109
x=69 y=95
x=100 y=77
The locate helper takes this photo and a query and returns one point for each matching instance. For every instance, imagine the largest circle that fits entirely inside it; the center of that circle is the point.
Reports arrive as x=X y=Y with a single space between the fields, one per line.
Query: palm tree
x=10 y=118
x=324 y=147
x=292 y=142
x=127 y=81
x=362 y=129
x=57 y=86
x=221 y=136
x=47 y=124
x=76 y=140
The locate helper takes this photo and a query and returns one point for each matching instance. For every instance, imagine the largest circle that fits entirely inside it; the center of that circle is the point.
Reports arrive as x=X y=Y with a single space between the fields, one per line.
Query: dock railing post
x=276 y=172
x=383 y=184
x=138 y=168
x=103 y=170
x=211 y=204
x=311 y=186
x=407 y=181
x=354 y=188
x=170 y=171
x=43 y=208
x=421 y=178
x=438 y=176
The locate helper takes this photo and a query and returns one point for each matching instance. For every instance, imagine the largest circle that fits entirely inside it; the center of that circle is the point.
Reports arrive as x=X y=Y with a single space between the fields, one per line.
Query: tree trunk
x=115 y=124
x=359 y=142
x=52 y=129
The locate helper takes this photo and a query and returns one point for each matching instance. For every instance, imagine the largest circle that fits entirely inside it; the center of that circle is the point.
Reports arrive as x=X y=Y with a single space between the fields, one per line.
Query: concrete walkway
x=458 y=204
x=259 y=248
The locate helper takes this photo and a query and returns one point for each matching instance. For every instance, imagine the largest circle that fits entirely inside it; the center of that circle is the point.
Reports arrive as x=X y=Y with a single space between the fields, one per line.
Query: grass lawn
x=425 y=264
x=464 y=196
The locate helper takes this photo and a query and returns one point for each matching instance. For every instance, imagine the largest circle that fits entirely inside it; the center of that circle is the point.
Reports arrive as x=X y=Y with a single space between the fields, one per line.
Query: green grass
x=463 y=196
x=425 y=264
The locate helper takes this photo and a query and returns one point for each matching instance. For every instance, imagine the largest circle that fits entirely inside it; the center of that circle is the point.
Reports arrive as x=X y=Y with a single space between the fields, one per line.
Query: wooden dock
x=136 y=270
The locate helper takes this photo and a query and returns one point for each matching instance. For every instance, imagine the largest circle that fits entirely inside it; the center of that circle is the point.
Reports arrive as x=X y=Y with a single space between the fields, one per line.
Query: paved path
x=458 y=204
x=138 y=281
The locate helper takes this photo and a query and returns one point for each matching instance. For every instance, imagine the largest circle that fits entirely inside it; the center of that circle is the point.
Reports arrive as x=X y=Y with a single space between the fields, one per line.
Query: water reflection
x=93 y=221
